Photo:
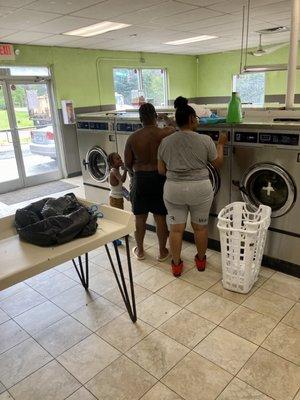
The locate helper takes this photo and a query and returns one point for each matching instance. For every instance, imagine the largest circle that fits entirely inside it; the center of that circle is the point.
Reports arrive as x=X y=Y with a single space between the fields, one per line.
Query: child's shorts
x=117 y=203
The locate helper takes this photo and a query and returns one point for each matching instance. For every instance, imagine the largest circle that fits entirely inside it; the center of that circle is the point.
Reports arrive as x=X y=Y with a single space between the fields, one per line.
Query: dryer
x=96 y=139
x=266 y=170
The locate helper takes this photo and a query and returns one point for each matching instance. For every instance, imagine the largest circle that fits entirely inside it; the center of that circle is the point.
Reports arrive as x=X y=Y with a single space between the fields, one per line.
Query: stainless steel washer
x=266 y=170
x=96 y=139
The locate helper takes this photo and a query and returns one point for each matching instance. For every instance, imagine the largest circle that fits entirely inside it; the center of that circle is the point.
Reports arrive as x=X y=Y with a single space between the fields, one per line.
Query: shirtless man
x=147 y=185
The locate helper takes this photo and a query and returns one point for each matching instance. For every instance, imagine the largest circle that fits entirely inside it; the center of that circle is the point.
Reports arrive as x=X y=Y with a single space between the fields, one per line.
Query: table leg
x=83 y=276
x=130 y=305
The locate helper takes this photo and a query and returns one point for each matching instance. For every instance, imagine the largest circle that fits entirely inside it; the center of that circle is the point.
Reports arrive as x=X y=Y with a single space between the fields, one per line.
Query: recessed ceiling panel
x=64 y=24
x=25 y=19
x=60 y=6
x=25 y=37
x=112 y=8
x=153 y=22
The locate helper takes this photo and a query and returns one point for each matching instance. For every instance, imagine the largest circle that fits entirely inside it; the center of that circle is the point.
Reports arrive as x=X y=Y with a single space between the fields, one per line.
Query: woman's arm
x=161 y=166
x=217 y=163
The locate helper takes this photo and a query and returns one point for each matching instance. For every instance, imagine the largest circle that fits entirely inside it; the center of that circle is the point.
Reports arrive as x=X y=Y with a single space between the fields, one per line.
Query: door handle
x=241 y=187
x=84 y=163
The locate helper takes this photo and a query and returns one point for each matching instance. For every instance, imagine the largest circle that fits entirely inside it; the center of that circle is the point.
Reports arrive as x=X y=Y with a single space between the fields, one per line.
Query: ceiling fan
x=260 y=51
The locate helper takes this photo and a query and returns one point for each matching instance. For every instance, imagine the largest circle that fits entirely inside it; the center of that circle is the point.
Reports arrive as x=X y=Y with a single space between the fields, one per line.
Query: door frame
x=23 y=180
x=17 y=183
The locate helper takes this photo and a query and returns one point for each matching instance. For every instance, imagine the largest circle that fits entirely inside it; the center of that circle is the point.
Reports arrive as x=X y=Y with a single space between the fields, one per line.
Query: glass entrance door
x=10 y=169
x=28 y=141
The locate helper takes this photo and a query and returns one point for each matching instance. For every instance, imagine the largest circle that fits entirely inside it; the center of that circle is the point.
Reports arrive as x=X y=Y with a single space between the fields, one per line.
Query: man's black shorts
x=147 y=192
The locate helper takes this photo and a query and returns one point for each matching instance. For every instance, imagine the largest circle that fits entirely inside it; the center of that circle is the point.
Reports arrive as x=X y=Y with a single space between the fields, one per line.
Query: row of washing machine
x=261 y=166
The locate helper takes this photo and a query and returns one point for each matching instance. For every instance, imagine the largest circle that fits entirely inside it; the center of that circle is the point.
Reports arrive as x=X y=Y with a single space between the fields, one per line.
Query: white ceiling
x=154 y=22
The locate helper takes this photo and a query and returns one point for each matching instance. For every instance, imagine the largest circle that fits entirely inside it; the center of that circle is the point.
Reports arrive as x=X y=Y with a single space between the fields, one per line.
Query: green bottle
x=234 y=113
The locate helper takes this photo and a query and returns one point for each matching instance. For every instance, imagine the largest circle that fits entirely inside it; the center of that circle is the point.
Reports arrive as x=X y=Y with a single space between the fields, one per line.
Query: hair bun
x=180 y=102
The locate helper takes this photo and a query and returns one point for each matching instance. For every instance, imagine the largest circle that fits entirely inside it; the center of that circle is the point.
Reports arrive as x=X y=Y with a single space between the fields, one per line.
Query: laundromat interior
x=85 y=314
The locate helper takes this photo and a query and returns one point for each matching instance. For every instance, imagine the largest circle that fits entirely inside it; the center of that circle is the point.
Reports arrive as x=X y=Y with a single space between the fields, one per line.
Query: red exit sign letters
x=7 y=52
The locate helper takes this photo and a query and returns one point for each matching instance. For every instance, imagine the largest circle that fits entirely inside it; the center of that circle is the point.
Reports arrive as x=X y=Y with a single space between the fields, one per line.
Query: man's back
x=144 y=144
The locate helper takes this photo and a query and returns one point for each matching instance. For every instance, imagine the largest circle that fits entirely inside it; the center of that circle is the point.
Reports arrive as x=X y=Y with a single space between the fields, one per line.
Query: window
x=251 y=88
x=133 y=86
x=24 y=71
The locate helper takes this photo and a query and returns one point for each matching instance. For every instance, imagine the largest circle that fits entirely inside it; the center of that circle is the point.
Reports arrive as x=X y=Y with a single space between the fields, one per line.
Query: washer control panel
x=213 y=134
x=267 y=138
x=128 y=127
x=245 y=137
x=285 y=139
x=93 y=125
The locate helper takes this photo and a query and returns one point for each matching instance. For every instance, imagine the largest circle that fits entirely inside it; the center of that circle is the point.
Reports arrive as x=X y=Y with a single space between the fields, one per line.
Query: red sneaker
x=200 y=264
x=177 y=269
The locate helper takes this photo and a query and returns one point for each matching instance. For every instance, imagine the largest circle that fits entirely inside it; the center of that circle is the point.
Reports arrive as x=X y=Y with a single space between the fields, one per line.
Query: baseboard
x=74 y=174
x=270 y=262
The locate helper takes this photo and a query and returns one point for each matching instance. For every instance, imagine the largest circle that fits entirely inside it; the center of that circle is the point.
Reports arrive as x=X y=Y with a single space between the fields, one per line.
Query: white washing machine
x=96 y=139
x=126 y=124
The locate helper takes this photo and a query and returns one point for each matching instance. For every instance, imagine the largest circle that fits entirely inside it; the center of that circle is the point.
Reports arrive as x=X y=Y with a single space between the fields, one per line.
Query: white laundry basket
x=243 y=236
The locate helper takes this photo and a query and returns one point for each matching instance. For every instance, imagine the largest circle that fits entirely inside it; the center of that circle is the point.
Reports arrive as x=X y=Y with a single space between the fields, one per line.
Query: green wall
x=216 y=71
x=85 y=76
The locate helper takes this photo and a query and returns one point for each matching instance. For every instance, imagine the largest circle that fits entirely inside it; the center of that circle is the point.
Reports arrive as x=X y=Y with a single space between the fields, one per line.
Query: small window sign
x=68 y=112
x=7 y=52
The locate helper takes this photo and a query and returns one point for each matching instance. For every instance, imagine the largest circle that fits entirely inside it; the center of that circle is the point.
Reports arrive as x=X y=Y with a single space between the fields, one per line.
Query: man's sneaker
x=200 y=264
x=118 y=242
x=177 y=269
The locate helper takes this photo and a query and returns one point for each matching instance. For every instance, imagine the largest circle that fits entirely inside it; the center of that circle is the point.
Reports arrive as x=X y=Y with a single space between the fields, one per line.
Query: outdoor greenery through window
x=133 y=86
x=251 y=88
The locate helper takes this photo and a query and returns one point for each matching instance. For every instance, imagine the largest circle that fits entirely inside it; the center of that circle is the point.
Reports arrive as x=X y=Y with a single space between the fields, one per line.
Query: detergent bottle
x=234 y=113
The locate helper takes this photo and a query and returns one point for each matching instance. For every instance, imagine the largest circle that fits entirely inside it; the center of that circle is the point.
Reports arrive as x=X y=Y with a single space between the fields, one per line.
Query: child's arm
x=124 y=175
x=118 y=177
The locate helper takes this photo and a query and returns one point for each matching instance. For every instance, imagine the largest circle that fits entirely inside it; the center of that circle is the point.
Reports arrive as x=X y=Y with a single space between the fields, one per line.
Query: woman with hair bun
x=200 y=111
x=183 y=158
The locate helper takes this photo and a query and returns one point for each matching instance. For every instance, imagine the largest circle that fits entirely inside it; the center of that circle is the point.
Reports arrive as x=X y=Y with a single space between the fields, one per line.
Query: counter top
x=251 y=123
x=21 y=260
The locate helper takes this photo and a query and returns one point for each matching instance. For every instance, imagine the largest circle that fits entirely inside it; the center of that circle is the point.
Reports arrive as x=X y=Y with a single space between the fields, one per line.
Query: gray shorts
x=194 y=197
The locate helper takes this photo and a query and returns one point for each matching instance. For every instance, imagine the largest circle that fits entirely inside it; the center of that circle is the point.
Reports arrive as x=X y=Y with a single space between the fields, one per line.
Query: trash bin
x=243 y=237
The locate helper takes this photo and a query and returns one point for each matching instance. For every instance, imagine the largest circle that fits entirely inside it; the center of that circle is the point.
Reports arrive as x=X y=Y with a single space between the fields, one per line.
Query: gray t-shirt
x=186 y=155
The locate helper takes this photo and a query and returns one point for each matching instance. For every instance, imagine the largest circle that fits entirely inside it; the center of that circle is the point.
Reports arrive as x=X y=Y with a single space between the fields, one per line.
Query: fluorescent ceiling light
x=97 y=29
x=191 y=40
x=265 y=68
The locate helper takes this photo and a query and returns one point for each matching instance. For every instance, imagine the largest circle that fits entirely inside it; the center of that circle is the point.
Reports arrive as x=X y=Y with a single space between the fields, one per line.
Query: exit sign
x=7 y=52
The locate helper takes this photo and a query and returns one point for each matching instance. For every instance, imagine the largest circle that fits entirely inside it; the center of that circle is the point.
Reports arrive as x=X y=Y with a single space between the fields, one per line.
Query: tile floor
x=193 y=340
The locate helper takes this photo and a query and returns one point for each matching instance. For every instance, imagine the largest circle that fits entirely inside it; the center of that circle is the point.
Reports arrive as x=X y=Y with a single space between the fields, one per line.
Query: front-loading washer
x=266 y=170
x=96 y=140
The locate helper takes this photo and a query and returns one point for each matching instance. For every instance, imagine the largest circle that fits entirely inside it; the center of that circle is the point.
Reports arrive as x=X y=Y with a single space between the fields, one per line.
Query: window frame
x=140 y=80
x=234 y=89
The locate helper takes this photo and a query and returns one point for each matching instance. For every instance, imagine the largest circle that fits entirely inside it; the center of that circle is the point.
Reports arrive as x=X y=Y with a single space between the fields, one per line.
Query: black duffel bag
x=51 y=221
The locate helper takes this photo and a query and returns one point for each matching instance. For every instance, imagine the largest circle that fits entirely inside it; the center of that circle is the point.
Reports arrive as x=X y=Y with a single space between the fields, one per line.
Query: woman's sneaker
x=177 y=269
x=200 y=264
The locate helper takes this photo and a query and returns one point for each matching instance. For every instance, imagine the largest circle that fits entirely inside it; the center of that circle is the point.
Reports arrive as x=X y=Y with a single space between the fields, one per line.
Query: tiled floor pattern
x=78 y=191
x=193 y=339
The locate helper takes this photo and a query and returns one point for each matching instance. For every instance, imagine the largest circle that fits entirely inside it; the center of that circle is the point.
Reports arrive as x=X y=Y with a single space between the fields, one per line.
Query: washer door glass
x=97 y=164
x=214 y=178
x=270 y=185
